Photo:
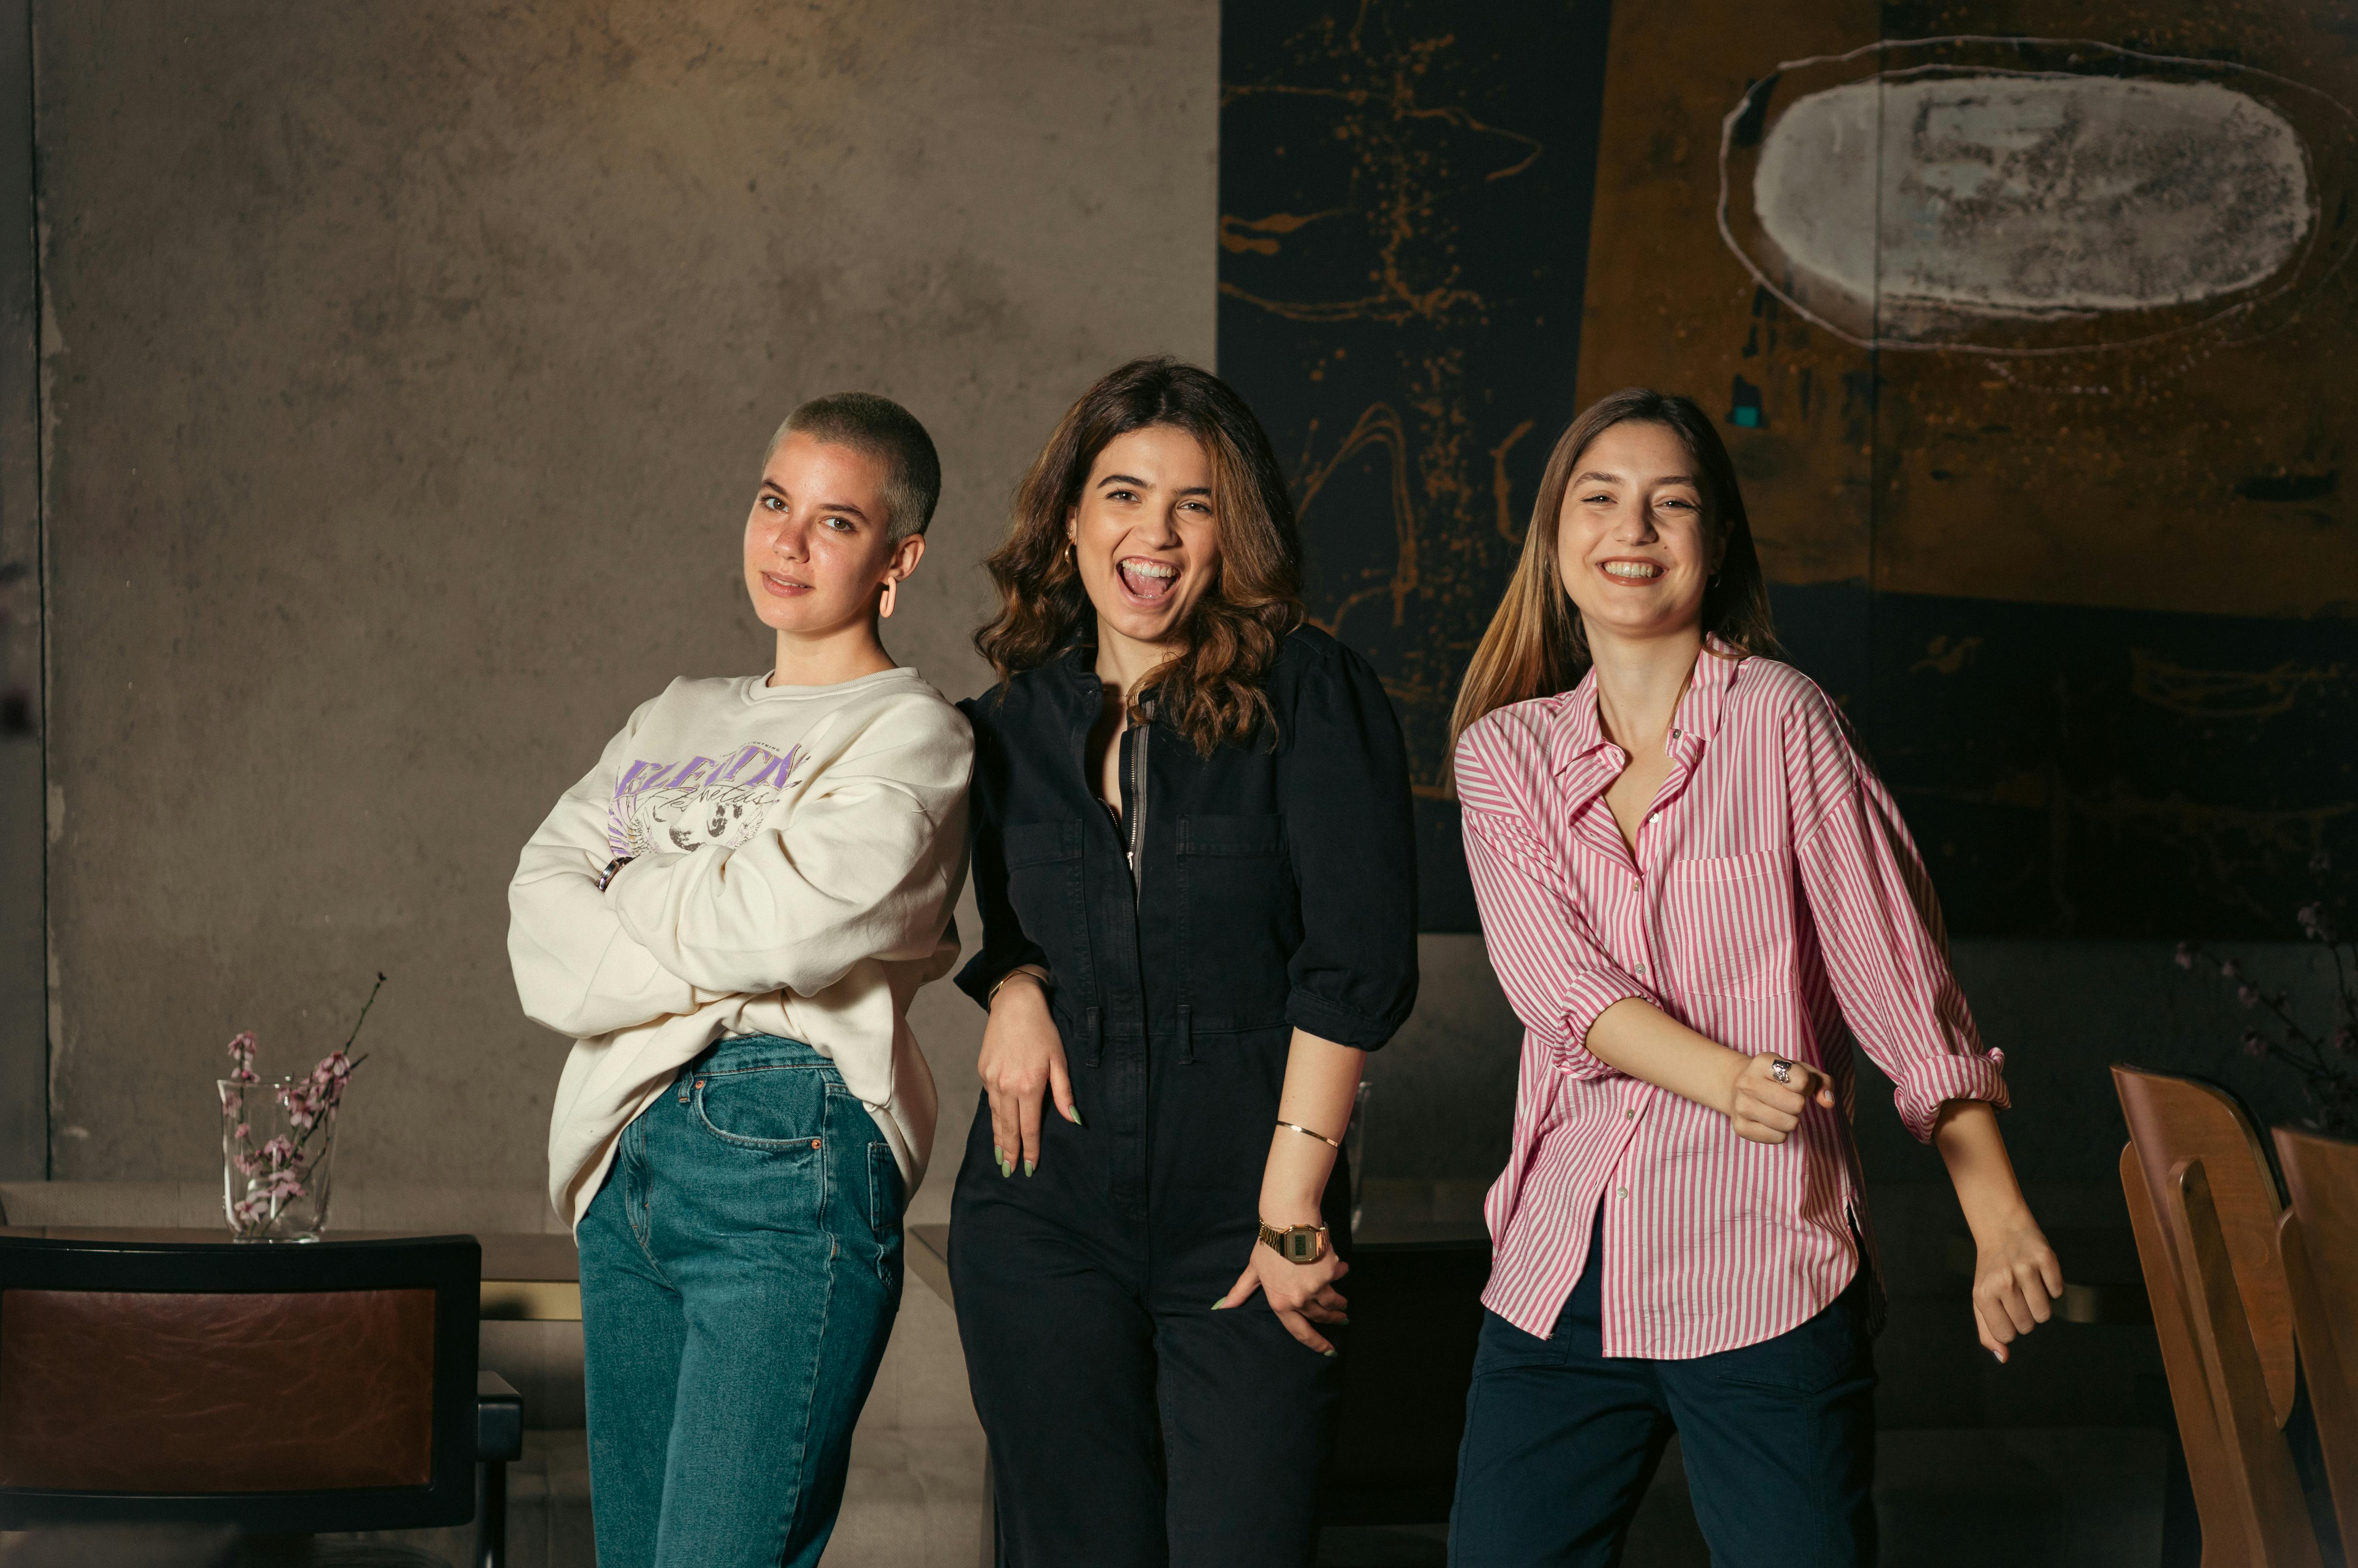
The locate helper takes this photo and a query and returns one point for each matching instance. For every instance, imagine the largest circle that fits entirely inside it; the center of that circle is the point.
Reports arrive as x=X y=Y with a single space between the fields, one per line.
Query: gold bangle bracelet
x=992 y=994
x=1307 y=1133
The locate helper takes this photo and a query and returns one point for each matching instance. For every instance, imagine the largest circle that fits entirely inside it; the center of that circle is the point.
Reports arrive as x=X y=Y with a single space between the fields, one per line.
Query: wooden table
x=527 y=1277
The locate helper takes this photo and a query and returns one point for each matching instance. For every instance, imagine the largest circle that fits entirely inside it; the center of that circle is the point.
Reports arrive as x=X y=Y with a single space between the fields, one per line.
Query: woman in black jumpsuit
x=1193 y=853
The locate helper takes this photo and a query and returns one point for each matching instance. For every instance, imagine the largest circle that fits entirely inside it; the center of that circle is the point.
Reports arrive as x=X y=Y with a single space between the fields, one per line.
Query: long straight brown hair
x=1536 y=645
x=1212 y=691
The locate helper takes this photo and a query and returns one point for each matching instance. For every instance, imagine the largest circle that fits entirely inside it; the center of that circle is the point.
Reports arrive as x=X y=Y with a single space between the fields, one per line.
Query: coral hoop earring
x=885 y=607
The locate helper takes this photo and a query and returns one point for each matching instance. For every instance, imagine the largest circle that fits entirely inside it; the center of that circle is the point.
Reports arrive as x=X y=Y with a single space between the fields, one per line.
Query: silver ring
x=1780 y=1069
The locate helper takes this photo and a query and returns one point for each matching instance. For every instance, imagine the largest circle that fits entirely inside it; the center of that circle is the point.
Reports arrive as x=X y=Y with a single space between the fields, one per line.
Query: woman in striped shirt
x=1696 y=894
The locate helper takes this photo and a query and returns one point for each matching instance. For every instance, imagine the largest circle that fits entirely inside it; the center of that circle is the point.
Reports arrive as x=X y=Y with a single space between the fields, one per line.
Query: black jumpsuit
x=1274 y=889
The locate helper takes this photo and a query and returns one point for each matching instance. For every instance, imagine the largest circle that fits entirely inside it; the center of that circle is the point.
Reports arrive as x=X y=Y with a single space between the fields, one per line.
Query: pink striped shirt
x=1775 y=903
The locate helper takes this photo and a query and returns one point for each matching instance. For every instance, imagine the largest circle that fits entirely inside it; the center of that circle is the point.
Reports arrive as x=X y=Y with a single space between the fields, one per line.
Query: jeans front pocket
x=1808 y=1358
x=778 y=1110
x=883 y=1191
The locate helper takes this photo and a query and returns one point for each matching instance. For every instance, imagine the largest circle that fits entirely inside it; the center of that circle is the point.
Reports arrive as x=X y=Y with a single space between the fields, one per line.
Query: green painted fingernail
x=1073 y=1115
x=1028 y=1166
x=1218 y=1305
x=1328 y=1354
x=1006 y=1166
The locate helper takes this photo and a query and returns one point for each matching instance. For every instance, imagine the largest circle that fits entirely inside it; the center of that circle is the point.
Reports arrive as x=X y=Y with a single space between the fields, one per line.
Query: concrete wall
x=407 y=372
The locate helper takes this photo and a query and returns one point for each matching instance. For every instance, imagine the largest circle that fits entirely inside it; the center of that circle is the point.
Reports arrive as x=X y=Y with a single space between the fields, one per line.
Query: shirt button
x=1623 y=1191
x=1674 y=734
x=1637 y=969
x=1628 y=1115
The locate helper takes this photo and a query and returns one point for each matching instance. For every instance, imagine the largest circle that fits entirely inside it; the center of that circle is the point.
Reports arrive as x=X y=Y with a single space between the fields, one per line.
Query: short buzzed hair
x=881 y=428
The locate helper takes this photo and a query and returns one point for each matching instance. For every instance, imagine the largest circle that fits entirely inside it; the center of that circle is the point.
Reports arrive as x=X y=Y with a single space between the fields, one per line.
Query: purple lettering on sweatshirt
x=776 y=774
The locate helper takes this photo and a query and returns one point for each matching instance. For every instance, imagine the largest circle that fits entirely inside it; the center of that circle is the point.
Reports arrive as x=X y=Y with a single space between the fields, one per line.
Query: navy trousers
x=1562 y=1440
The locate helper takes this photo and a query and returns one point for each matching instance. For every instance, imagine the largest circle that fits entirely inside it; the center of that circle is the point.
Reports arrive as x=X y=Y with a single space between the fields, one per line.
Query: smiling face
x=1146 y=534
x=1634 y=546
x=818 y=545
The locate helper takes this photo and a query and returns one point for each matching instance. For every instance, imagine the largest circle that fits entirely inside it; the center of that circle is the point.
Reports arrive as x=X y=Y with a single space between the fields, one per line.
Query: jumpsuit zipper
x=1137 y=808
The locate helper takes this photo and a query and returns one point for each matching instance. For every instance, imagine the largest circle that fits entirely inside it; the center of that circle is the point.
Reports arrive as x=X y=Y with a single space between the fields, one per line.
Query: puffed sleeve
x=1005 y=944
x=1879 y=924
x=1555 y=974
x=1350 y=830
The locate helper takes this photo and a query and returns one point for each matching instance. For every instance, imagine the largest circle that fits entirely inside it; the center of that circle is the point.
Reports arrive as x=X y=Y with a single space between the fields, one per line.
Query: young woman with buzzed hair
x=728 y=914
x=1193 y=852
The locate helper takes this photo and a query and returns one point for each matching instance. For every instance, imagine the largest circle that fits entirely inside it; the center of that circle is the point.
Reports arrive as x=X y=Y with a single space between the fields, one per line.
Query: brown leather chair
x=283 y=1390
x=2319 y=1243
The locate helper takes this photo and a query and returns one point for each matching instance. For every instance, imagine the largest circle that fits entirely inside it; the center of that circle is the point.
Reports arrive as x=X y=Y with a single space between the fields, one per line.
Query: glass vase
x=278 y=1149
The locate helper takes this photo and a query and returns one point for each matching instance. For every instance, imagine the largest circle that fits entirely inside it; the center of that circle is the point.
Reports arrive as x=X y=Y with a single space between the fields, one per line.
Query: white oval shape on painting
x=2035 y=195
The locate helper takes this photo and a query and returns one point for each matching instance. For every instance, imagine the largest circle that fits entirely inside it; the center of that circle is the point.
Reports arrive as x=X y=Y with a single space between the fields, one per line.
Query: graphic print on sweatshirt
x=666 y=807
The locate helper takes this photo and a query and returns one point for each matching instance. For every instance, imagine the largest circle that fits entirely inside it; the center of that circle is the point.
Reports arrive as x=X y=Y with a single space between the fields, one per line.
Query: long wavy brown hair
x=1212 y=691
x=1535 y=646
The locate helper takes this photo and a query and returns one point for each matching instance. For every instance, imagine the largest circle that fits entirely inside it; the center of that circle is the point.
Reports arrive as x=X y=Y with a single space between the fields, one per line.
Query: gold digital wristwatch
x=1295 y=1243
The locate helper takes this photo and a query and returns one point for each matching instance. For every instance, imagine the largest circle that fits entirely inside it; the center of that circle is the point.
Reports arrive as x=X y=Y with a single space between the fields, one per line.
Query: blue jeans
x=741 y=1268
x=1560 y=1440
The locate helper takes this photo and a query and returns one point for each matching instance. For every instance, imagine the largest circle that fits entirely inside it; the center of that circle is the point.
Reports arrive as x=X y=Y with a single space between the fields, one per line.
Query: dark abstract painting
x=2030 y=330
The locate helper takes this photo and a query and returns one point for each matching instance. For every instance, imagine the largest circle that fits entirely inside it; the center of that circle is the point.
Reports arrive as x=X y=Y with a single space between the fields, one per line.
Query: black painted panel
x=1404 y=197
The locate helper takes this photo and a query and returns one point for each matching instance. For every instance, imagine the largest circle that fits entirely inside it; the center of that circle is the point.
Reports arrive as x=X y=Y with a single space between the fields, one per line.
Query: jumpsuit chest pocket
x=1722 y=918
x=1044 y=879
x=1242 y=920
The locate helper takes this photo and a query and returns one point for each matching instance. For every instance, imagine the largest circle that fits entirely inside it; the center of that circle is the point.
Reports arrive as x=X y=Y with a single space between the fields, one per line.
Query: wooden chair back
x=2181 y=1360
x=2271 y=1517
x=2172 y=1117
x=2320 y=1242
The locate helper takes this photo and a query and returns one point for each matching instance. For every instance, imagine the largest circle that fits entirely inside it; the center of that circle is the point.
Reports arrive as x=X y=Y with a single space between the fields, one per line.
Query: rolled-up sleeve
x=1878 y=924
x=1556 y=976
x=1351 y=834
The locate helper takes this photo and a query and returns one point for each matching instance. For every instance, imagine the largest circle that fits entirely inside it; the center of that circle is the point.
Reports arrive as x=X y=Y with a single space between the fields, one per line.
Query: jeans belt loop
x=1097 y=1038
x=1186 y=1036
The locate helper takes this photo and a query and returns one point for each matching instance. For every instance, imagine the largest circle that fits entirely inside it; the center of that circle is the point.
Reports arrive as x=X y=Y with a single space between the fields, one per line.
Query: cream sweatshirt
x=798 y=852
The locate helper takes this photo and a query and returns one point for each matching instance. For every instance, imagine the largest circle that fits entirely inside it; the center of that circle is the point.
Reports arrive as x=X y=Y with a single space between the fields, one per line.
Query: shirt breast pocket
x=1243 y=921
x=1044 y=880
x=1724 y=924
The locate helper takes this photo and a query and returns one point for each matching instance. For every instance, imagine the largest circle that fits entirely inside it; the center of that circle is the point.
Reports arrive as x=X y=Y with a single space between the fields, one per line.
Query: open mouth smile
x=784 y=588
x=1628 y=570
x=1145 y=579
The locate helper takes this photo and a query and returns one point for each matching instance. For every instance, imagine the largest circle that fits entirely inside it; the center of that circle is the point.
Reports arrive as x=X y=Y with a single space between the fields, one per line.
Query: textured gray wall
x=408 y=368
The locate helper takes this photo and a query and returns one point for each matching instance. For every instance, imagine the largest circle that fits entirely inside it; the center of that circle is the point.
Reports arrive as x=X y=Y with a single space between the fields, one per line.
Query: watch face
x=1302 y=1245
